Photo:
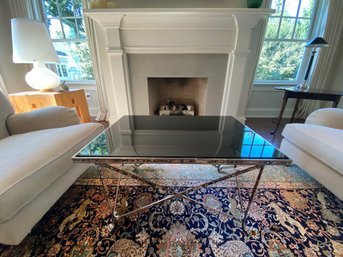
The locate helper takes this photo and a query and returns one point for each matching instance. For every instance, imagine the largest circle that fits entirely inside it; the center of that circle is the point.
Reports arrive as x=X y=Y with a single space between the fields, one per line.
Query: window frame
x=67 y=40
x=306 y=55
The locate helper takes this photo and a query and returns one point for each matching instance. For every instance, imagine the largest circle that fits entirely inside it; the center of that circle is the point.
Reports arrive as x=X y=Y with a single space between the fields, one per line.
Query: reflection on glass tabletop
x=179 y=138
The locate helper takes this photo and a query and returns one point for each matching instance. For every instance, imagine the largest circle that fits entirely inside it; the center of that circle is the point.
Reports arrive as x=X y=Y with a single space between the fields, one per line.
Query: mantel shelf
x=259 y=11
x=179 y=5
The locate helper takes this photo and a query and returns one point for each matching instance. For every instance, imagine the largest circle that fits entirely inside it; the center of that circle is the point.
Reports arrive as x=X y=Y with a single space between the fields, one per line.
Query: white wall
x=13 y=74
x=265 y=102
x=91 y=96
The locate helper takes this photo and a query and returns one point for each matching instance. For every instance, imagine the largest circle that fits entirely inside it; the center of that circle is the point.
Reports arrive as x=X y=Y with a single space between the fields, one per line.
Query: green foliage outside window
x=287 y=32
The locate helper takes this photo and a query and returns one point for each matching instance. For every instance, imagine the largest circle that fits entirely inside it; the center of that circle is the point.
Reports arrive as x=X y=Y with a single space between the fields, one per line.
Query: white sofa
x=35 y=163
x=317 y=147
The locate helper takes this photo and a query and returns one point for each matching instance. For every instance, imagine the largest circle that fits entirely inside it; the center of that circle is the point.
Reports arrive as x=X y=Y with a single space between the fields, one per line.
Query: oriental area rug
x=292 y=215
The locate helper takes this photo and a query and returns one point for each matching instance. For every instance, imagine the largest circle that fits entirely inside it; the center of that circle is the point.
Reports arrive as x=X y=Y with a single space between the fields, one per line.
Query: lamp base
x=303 y=86
x=41 y=78
x=46 y=90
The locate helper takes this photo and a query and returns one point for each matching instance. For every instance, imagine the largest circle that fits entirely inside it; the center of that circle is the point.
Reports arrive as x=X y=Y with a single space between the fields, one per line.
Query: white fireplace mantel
x=177 y=31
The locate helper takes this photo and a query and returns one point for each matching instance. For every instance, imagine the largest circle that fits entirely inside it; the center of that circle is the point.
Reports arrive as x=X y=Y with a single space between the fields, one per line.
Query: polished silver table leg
x=239 y=194
x=101 y=170
x=252 y=196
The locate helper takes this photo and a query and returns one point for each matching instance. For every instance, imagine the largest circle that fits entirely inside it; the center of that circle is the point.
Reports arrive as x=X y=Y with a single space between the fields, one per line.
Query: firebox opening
x=179 y=95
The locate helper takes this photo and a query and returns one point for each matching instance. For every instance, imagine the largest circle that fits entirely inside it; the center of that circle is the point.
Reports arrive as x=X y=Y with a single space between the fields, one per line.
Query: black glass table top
x=180 y=139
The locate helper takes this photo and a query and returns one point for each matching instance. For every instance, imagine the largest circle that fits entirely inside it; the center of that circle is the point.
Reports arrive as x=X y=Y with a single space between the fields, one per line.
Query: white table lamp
x=31 y=44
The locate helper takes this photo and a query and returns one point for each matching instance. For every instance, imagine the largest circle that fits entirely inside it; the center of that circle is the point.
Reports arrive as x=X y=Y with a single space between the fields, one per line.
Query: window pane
x=51 y=8
x=66 y=8
x=55 y=29
x=277 y=5
x=306 y=8
x=279 y=60
x=291 y=8
x=69 y=28
x=286 y=29
x=76 y=59
x=81 y=28
x=78 y=8
x=302 y=28
x=273 y=25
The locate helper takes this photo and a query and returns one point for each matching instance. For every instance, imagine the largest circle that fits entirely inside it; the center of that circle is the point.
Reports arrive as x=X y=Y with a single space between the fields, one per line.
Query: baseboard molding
x=268 y=113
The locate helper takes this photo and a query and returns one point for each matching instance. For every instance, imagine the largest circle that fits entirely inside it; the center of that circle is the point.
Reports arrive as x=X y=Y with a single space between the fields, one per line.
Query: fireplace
x=179 y=93
x=136 y=47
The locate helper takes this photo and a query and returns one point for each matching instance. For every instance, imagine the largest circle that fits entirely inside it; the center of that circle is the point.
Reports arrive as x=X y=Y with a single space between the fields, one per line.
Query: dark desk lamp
x=314 y=44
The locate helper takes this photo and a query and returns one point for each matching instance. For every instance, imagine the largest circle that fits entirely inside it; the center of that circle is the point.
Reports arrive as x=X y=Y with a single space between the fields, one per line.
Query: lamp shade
x=317 y=42
x=31 y=42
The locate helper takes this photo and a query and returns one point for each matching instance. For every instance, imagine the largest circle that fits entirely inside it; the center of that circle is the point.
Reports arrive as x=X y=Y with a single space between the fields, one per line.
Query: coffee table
x=215 y=140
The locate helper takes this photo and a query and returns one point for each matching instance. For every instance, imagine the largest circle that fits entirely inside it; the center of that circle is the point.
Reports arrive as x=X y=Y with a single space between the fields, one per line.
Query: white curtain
x=330 y=20
x=101 y=90
x=31 y=9
x=2 y=85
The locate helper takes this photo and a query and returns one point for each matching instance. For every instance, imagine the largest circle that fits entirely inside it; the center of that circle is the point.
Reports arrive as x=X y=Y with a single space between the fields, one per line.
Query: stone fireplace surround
x=134 y=44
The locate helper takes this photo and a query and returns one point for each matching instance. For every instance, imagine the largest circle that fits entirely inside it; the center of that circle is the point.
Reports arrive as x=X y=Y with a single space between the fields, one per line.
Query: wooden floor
x=263 y=127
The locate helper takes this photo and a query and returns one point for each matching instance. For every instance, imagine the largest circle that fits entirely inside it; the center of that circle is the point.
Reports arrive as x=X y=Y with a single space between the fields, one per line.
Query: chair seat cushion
x=30 y=162
x=323 y=143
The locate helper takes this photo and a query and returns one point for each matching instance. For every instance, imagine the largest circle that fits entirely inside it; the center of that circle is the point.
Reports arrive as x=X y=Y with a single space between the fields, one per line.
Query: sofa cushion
x=323 y=143
x=6 y=109
x=30 y=162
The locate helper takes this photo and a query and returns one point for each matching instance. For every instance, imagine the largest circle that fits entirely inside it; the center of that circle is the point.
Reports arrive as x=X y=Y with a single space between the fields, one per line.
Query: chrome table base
x=117 y=215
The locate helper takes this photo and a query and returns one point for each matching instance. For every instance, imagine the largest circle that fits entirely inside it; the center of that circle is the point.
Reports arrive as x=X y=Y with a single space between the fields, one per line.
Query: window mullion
x=69 y=40
x=76 y=24
x=281 y=17
x=59 y=18
x=296 y=19
x=285 y=40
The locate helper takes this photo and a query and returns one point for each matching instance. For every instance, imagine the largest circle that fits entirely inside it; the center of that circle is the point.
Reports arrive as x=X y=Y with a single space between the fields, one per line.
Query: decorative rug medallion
x=297 y=217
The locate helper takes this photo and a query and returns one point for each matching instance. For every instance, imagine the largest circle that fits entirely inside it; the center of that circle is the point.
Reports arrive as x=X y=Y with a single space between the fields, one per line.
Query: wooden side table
x=310 y=94
x=33 y=100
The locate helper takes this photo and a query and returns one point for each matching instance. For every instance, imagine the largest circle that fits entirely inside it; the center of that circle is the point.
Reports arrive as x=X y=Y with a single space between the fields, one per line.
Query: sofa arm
x=45 y=118
x=328 y=117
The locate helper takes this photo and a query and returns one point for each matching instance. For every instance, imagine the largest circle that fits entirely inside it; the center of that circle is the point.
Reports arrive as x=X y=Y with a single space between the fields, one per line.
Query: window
x=283 y=48
x=67 y=31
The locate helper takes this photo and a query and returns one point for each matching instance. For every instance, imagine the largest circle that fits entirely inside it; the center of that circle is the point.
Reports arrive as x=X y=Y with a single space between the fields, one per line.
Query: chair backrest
x=6 y=109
